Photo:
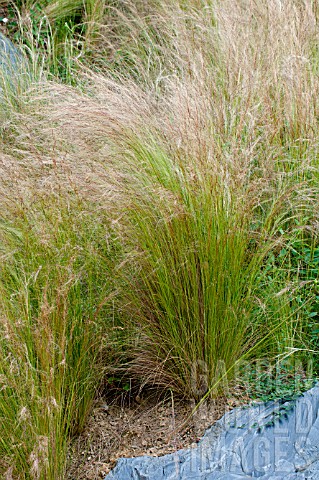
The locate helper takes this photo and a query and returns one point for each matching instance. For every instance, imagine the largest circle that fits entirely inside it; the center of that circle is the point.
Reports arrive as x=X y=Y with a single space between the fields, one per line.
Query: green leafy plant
x=270 y=380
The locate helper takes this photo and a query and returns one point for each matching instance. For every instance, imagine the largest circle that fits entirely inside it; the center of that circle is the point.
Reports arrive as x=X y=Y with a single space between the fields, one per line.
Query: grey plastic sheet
x=270 y=441
x=10 y=56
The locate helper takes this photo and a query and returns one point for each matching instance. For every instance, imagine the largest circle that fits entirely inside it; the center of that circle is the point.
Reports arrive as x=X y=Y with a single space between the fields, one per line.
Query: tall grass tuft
x=194 y=282
x=54 y=290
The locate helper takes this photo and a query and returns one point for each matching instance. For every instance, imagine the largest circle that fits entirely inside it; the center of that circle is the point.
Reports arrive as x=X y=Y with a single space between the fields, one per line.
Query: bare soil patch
x=141 y=427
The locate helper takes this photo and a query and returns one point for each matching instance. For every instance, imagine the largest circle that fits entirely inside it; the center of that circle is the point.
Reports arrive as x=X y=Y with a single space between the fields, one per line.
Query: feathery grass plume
x=221 y=115
x=211 y=129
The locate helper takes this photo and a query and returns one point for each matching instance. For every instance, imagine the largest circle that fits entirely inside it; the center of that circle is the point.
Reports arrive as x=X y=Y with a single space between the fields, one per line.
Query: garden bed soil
x=148 y=426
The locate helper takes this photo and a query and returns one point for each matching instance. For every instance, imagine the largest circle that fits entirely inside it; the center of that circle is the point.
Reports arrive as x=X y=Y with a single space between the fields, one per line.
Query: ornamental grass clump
x=54 y=310
x=197 y=270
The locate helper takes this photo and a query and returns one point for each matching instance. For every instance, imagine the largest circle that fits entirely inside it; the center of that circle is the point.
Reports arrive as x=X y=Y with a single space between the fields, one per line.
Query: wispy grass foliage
x=54 y=284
